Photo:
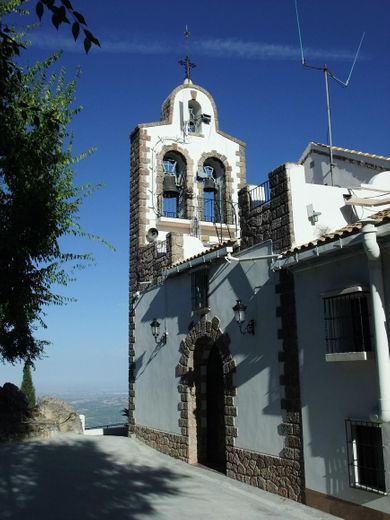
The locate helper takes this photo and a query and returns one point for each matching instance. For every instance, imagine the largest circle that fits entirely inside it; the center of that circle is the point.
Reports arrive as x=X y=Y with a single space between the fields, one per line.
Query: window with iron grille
x=365 y=456
x=347 y=321
x=199 y=289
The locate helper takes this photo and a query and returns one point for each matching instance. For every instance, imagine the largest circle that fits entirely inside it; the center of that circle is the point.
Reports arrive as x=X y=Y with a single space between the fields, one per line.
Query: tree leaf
x=75 y=30
x=80 y=17
x=87 y=44
x=91 y=37
x=55 y=20
x=67 y=4
x=62 y=14
x=39 y=10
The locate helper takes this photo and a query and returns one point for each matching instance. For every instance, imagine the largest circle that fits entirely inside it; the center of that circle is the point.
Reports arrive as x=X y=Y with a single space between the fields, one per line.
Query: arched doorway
x=216 y=438
x=207 y=395
x=209 y=410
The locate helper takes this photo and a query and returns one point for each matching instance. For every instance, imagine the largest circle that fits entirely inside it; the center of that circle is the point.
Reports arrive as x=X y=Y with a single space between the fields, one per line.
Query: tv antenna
x=327 y=73
x=187 y=62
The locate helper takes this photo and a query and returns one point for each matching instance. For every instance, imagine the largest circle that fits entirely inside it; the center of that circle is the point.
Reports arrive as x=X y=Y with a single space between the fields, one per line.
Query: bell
x=170 y=188
x=209 y=185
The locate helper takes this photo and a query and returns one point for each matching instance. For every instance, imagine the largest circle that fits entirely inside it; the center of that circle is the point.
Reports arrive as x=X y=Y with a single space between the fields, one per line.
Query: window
x=199 y=290
x=365 y=456
x=347 y=324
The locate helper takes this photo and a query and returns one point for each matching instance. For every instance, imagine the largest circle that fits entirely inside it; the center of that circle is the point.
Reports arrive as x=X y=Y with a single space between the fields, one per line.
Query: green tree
x=27 y=386
x=39 y=202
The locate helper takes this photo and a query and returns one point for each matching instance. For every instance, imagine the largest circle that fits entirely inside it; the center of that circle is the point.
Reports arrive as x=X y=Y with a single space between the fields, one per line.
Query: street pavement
x=72 y=477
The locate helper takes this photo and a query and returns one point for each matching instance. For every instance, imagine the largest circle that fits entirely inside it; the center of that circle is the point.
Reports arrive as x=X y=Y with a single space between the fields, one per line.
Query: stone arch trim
x=228 y=184
x=205 y=329
x=188 y=179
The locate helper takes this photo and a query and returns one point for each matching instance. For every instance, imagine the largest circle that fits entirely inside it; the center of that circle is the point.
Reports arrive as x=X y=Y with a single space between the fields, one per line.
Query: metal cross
x=187 y=62
x=188 y=66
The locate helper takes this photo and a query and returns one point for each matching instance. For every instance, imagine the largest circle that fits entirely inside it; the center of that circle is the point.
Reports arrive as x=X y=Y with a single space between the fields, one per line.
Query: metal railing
x=259 y=195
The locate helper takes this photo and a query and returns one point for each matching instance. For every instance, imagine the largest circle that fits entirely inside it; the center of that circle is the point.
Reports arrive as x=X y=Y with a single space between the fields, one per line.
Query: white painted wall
x=330 y=203
x=192 y=246
x=333 y=392
x=195 y=145
x=257 y=374
x=327 y=200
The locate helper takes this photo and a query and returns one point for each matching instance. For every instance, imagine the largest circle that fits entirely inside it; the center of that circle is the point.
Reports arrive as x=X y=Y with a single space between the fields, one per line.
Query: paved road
x=74 y=477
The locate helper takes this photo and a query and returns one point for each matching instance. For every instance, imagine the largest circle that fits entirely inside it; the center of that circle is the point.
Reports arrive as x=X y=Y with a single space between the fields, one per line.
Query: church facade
x=222 y=276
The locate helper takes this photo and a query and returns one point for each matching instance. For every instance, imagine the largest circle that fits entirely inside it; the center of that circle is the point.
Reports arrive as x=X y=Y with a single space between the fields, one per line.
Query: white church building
x=259 y=314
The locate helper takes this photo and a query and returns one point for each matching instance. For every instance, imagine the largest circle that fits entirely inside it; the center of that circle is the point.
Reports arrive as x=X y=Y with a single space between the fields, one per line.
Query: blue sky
x=247 y=55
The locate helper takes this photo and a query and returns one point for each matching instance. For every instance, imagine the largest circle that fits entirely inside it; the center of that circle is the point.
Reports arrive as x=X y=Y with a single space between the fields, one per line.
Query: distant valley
x=99 y=408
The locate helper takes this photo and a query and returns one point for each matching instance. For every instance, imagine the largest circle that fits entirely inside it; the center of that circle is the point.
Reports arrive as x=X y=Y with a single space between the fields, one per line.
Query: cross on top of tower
x=187 y=64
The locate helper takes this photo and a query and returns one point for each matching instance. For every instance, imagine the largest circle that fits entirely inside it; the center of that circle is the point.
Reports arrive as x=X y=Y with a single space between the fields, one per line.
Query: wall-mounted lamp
x=239 y=315
x=155 y=332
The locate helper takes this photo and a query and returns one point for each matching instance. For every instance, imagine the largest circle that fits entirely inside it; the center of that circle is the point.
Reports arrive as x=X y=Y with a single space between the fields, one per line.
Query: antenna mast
x=327 y=74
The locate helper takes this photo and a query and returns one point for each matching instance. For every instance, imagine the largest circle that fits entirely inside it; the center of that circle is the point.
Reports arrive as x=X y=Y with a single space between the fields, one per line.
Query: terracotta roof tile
x=380 y=218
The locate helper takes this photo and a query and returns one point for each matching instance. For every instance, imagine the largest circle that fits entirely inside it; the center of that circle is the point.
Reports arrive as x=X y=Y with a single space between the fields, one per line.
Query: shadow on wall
x=73 y=479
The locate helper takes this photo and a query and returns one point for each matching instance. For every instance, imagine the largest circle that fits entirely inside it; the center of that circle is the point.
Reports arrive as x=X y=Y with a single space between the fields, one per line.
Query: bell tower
x=185 y=175
x=184 y=183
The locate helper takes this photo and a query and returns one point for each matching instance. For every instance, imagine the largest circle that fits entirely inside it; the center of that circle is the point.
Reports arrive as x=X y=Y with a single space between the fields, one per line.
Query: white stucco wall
x=256 y=357
x=331 y=392
x=207 y=141
x=329 y=202
x=326 y=200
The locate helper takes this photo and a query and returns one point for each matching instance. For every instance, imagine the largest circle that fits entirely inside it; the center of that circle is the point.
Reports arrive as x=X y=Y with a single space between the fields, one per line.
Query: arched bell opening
x=174 y=180
x=213 y=179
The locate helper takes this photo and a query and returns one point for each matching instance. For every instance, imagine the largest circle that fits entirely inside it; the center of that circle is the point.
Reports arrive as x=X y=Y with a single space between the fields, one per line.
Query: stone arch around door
x=204 y=335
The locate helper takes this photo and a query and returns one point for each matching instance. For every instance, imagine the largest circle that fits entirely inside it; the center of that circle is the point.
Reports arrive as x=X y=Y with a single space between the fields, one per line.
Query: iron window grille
x=365 y=456
x=199 y=289
x=347 y=321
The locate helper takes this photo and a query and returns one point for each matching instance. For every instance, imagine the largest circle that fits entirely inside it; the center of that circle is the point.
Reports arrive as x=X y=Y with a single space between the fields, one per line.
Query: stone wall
x=151 y=264
x=272 y=220
x=282 y=231
x=274 y=474
x=168 y=443
x=256 y=223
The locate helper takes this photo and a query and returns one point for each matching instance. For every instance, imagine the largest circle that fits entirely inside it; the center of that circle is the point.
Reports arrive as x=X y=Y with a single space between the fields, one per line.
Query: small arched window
x=173 y=200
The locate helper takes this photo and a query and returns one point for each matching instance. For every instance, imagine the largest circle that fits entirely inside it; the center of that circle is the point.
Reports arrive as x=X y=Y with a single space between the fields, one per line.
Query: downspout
x=381 y=343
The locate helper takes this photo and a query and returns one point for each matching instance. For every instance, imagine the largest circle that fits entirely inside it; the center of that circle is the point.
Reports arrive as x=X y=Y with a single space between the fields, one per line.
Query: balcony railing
x=208 y=210
x=259 y=195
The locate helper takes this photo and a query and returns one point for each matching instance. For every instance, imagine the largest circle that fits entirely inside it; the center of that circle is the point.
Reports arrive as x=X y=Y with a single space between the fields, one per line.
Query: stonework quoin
x=291 y=428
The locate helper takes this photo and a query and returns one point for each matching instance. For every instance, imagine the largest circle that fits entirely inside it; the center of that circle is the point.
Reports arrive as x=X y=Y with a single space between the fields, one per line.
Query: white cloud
x=236 y=48
x=218 y=48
